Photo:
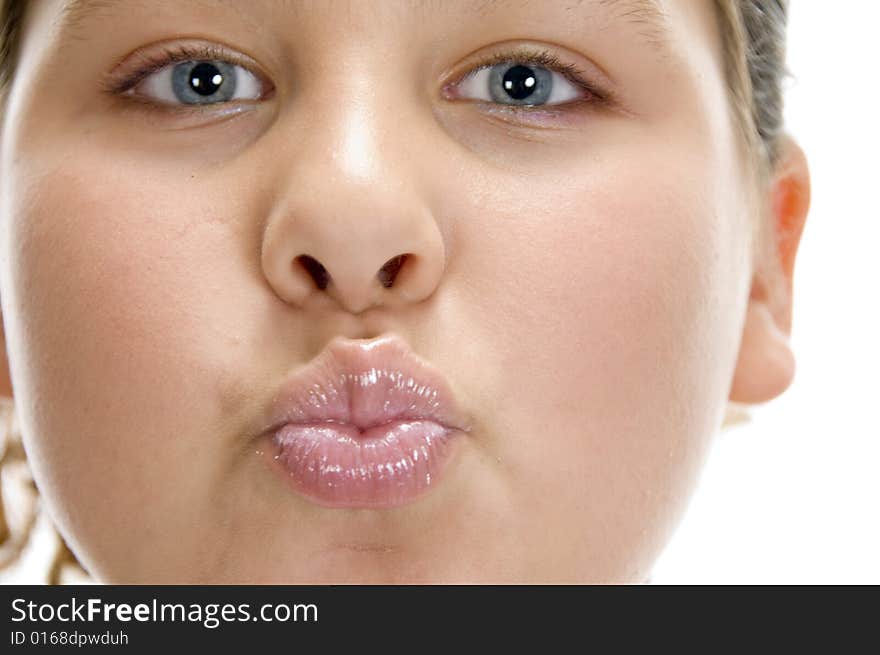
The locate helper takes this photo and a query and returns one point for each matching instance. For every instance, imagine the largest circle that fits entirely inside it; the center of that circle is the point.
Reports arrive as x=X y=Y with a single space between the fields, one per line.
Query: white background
x=794 y=495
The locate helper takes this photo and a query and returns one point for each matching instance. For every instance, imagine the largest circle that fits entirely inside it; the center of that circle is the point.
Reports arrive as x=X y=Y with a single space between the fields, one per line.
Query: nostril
x=389 y=271
x=316 y=270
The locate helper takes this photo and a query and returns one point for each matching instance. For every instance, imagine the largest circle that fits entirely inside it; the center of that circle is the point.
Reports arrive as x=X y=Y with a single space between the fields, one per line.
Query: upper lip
x=366 y=383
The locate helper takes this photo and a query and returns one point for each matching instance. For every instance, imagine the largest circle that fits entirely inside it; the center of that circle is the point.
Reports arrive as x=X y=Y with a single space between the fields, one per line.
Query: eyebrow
x=648 y=16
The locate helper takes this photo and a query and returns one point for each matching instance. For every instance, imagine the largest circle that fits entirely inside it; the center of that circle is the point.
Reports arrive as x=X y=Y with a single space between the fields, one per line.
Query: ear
x=766 y=363
x=5 y=379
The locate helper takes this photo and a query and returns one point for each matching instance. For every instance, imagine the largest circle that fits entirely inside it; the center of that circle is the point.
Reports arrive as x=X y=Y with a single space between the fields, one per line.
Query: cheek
x=131 y=305
x=608 y=312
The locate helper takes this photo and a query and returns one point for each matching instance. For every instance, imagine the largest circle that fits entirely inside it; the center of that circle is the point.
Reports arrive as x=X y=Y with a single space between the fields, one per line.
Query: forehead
x=649 y=17
x=644 y=11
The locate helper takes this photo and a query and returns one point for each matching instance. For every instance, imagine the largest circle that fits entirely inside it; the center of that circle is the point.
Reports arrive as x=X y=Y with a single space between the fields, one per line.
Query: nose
x=350 y=226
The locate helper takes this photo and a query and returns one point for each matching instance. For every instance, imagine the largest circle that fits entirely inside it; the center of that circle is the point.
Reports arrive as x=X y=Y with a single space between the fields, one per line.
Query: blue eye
x=514 y=83
x=531 y=83
x=199 y=83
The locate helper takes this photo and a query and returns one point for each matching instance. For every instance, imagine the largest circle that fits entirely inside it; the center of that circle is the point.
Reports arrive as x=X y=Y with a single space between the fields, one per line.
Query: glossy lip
x=364 y=424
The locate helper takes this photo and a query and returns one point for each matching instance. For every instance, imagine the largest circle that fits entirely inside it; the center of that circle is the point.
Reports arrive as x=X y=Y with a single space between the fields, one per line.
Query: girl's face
x=577 y=270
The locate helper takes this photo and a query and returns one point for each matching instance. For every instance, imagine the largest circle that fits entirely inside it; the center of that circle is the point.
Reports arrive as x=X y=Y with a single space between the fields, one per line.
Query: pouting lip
x=366 y=383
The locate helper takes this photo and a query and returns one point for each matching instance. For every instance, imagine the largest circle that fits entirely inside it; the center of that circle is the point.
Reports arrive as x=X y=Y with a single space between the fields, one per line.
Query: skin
x=593 y=321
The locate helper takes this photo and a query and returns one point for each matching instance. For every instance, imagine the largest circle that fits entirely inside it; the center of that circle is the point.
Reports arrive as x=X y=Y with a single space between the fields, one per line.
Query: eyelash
x=149 y=63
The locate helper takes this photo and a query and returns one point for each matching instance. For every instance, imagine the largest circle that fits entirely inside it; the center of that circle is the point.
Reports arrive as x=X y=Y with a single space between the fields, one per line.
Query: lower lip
x=336 y=465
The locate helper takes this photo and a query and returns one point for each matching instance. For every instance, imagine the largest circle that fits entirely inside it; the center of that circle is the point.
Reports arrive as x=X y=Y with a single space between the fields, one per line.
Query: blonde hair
x=753 y=37
x=28 y=539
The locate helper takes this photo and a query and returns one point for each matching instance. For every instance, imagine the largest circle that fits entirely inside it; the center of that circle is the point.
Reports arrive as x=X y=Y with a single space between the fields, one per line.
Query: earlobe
x=766 y=365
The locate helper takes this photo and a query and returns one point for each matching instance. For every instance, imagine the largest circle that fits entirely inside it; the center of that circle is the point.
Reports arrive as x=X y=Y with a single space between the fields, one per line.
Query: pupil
x=205 y=79
x=519 y=82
